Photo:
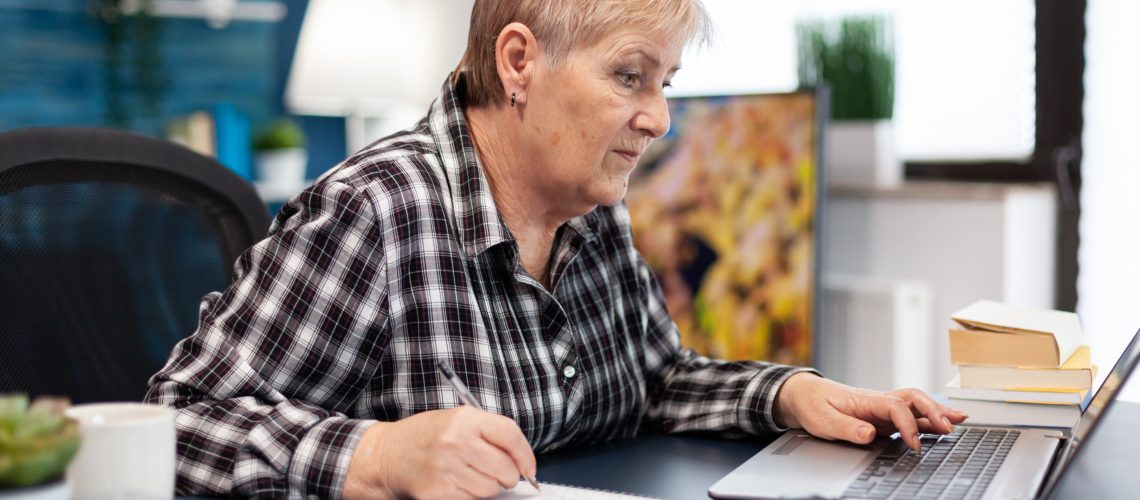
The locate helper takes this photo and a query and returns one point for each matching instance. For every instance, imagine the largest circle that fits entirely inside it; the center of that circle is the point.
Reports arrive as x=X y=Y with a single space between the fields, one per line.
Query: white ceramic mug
x=127 y=451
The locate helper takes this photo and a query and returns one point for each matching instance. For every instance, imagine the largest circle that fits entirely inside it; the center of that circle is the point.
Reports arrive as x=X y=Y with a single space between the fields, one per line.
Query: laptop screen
x=1097 y=406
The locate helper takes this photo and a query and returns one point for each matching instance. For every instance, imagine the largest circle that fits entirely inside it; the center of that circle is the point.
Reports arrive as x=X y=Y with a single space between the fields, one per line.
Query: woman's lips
x=629 y=156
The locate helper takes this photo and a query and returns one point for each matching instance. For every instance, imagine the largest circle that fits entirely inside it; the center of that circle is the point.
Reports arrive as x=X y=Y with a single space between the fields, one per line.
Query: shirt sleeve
x=690 y=392
x=262 y=387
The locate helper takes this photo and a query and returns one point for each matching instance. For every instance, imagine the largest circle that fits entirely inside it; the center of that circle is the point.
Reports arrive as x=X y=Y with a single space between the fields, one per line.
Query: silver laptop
x=972 y=462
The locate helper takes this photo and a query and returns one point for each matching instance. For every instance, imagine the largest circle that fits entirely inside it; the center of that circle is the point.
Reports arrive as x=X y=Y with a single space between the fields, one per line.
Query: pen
x=469 y=400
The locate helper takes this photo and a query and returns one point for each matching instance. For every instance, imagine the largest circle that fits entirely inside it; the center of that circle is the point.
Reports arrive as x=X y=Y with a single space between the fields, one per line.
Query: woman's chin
x=589 y=196
x=612 y=194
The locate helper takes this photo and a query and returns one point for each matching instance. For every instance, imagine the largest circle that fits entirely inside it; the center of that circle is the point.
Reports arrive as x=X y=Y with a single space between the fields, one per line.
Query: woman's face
x=587 y=121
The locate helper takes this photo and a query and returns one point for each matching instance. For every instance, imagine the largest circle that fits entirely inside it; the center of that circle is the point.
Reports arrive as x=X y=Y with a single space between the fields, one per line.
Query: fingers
x=836 y=425
x=883 y=409
x=495 y=456
x=888 y=428
x=852 y=414
x=940 y=415
x=476 y=484
x=841 y=412
x=924 y=426
x=905 y=422
x=505 y=434
x=932 y=417
x=493 y=462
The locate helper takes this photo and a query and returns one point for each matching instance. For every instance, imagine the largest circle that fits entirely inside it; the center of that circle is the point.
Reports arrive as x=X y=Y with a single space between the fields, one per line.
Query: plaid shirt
x=396 y=259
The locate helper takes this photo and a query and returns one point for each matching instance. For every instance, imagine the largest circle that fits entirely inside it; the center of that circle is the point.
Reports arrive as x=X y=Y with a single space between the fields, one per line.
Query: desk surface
x=683 y=467
x=675 y=467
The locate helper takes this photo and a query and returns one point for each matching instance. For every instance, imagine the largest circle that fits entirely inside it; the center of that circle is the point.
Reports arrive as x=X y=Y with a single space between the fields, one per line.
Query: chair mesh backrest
x=104 y=262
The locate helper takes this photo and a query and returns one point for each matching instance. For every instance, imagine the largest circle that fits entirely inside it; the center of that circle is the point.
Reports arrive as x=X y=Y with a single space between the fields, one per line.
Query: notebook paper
x=560 y=492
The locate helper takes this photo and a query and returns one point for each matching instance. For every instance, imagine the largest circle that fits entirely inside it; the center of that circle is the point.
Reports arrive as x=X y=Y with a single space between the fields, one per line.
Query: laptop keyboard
x=957 y=465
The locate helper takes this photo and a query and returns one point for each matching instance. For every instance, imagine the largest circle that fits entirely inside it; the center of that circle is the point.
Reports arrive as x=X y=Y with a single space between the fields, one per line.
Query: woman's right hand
x=454 y=453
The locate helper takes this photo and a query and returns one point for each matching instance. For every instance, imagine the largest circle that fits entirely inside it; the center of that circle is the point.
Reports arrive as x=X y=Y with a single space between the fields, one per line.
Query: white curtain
x=1108 y=285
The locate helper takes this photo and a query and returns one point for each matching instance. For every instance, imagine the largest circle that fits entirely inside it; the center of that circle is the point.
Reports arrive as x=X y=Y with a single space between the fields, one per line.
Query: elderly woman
x=490 y=235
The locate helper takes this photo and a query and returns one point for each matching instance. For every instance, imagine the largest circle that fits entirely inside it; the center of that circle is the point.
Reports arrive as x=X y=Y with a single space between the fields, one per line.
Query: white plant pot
x=58 y=490
x=282 y=170
x=862 y=153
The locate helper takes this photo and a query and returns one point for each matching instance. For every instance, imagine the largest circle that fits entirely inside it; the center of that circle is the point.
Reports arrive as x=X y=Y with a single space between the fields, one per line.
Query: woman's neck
x=526 y=211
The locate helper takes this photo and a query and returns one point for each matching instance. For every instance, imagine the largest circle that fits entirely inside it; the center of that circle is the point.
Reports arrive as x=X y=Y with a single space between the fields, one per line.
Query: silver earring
x=512 y=99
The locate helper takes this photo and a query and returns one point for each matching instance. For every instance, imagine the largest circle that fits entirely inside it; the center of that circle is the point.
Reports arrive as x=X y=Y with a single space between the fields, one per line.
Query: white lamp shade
x=367 y=57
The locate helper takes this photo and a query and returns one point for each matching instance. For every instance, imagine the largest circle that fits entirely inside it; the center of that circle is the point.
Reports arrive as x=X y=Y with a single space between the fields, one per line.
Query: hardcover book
x=1077 y=372
x=955 y=390
x=1018 y=414
x=992 y=333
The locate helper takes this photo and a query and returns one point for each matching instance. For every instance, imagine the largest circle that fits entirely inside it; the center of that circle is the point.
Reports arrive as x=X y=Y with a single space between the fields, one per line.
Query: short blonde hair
x=563 y=25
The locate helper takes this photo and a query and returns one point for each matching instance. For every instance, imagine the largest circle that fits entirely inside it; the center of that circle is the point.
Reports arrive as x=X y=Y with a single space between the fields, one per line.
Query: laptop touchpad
x=800 y=466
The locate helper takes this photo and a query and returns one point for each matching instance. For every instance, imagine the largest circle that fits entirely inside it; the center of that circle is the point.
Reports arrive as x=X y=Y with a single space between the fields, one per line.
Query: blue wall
x=52 y=71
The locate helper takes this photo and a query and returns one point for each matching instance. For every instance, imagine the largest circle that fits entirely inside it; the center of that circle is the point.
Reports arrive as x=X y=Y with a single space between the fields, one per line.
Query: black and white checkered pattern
x=396 y=259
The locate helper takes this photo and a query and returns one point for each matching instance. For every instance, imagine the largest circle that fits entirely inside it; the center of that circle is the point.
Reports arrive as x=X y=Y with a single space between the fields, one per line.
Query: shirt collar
x=472 y=206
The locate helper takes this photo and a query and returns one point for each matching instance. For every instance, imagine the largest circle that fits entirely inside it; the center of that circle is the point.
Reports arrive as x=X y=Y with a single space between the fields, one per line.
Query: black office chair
x=108 y=241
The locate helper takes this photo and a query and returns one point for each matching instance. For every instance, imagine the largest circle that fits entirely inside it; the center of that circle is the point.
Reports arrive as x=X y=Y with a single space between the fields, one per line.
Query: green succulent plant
x=280 y=134
x=37 y=441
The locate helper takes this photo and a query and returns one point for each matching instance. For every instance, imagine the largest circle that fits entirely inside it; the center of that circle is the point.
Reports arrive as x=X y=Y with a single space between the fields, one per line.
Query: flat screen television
x=726 y=210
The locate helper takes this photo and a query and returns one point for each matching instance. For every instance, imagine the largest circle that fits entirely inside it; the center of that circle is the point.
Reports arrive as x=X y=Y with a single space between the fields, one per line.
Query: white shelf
x=276 y=193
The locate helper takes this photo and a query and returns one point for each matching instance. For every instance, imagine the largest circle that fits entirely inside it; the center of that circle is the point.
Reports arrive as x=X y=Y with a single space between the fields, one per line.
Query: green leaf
x=12 y=410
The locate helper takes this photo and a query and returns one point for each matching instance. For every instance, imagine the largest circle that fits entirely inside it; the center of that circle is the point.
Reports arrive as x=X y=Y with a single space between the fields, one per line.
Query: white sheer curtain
x=965 y=83
x=1108 y=285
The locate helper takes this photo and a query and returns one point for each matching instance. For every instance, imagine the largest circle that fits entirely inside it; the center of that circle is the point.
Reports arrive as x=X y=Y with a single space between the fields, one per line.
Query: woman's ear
x=516 y=55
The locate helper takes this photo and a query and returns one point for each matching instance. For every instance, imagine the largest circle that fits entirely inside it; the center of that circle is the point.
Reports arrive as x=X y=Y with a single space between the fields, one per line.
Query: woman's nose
x=653 y=118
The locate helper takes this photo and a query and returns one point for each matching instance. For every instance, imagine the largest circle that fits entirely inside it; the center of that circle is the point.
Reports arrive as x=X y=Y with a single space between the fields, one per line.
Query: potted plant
x=855 y=59
x=37 y=442
x=280 y=157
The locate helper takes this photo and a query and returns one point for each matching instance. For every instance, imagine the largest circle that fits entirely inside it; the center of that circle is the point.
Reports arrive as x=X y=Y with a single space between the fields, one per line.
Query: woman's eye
x=629 y=78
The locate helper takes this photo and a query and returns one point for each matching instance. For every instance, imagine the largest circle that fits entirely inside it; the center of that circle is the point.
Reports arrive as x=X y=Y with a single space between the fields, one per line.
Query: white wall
x=957 y=238
x=1108 y=286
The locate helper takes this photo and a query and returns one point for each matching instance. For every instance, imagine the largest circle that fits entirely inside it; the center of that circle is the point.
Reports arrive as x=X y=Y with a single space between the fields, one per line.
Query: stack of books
x=1019 y=366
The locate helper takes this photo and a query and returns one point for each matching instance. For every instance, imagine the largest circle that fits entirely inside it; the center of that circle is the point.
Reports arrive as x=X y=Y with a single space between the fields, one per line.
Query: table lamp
x=375 y=59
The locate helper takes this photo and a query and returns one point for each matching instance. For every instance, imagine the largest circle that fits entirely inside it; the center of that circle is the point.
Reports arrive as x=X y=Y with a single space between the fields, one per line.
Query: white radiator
x=877 y=333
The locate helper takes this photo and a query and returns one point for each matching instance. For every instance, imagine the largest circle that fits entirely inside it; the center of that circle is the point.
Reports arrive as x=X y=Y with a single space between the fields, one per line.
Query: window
x=965 y=86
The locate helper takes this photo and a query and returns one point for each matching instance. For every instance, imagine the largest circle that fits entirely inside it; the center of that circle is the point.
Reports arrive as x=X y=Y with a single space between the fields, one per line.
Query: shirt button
x=569 y=371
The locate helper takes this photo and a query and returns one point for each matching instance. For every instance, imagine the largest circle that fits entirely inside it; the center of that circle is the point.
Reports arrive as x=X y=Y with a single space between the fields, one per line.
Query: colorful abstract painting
x=724 y=209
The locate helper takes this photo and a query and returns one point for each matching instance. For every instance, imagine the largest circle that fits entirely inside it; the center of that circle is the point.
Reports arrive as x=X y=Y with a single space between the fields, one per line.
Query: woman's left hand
x=831 y=410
